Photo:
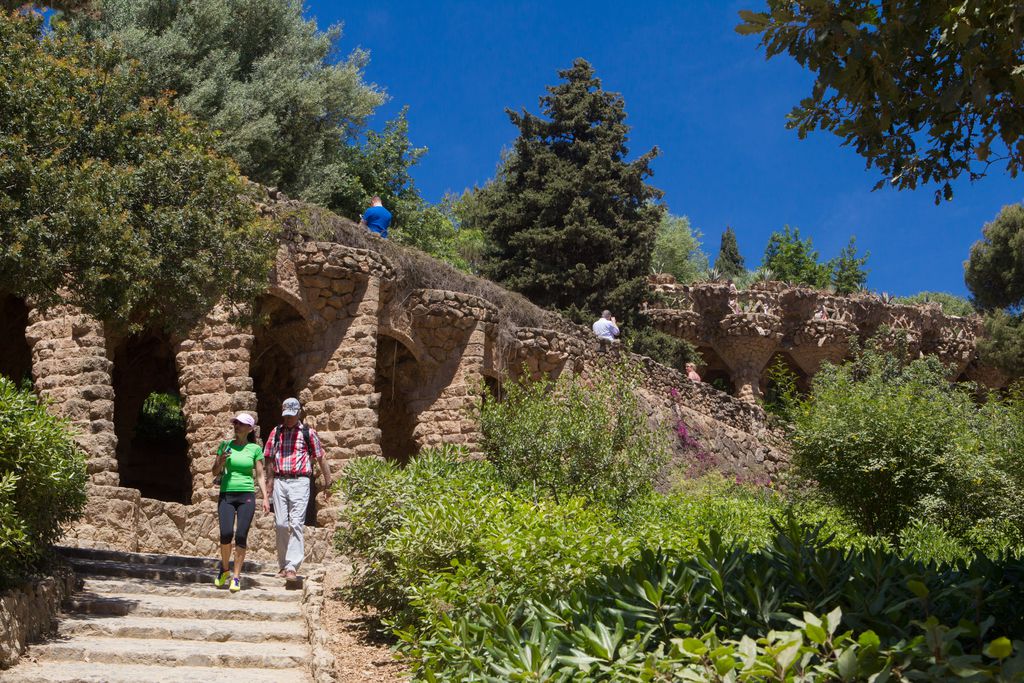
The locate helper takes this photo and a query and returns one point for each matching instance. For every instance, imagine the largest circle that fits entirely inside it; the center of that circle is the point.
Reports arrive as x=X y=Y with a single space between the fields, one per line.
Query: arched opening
x=152 y=452
x=279 y=336
x=713 y=370
x=782 y=377
x=495 y=389
x=397 y=377
x=15 y=354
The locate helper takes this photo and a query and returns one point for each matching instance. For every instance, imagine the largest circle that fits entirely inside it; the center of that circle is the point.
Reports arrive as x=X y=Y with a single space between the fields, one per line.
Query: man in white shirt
x=605 y=327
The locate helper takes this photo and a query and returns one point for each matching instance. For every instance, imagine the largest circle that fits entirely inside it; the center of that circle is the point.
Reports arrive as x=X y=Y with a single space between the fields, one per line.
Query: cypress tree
x=571 y=224
x=729 y=262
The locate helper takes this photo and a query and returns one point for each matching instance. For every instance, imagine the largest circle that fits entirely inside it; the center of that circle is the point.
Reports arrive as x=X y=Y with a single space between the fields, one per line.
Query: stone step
x=156 y=560
x=78 y=672
x=163 y=652
x=101 y=585
x=183 y=606
x=167 y=572
x=209 y=630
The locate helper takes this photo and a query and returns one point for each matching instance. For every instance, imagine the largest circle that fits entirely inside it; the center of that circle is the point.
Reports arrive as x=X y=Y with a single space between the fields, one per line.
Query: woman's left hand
x=266 y=505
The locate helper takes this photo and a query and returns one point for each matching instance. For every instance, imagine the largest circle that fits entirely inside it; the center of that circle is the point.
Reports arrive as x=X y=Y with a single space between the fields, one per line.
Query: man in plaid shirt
x=290 y=460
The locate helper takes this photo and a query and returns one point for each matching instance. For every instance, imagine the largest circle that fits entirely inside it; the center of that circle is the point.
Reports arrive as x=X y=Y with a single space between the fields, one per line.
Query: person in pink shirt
x=691 y=372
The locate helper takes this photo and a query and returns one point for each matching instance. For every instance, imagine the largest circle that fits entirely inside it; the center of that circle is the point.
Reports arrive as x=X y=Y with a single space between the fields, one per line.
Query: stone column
x=746 y=344
x=446 y=417
x=72 y=371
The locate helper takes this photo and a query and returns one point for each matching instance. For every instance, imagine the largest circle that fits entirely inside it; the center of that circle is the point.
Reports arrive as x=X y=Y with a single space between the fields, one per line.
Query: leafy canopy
x=995 y=275
x=994 y=272
x=110 y=199
x=924 y=91
x=677 y=250
x=571 y=223
x=792 y=259
x=951 y=304
x=260 y=73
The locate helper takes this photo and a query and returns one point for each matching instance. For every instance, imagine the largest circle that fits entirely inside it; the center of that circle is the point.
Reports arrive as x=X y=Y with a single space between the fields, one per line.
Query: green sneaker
x=236 y=585
x=222 y=580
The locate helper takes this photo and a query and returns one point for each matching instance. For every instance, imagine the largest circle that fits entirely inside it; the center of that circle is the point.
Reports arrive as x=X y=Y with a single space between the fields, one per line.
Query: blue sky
x=704 y=95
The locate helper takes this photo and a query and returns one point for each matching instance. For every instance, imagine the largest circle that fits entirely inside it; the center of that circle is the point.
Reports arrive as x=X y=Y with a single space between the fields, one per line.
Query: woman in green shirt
x=238 y=459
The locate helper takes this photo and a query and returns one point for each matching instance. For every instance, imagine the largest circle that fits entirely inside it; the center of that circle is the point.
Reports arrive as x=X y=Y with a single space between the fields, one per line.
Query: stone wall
x=744 y=330
x=382 y=368
x=29 y=612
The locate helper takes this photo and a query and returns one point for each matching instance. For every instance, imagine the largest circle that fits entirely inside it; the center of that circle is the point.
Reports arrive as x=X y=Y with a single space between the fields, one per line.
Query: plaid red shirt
x=288 y=452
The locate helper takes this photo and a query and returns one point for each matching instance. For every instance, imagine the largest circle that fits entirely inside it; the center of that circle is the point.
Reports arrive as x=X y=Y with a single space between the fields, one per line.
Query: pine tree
x=848 y=270
x=729 y=262
x=571 y=223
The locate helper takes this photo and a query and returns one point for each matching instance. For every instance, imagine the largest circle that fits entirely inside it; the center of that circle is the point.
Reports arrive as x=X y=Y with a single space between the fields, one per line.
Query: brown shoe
x=290 y=575
x=281 y=574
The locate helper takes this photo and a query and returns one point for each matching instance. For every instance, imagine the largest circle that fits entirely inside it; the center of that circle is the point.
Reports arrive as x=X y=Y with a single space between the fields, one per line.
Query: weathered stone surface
x=745 y=330
x=29 y=611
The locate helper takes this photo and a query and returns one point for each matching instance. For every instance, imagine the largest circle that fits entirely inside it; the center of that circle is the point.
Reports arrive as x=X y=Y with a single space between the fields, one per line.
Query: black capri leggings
x=231 y=504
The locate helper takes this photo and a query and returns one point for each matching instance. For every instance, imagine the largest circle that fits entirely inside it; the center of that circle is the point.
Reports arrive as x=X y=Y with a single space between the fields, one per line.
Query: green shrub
x=161 y=418
x=669 y=614
x=892 y=441
x=42 y=479
x=574 y=436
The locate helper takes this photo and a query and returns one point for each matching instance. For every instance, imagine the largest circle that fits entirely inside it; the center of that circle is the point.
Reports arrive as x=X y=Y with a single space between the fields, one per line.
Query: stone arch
x=15 y=353
x=279 y=339
x=152 y=451
x=713 y=370
x=398 y=376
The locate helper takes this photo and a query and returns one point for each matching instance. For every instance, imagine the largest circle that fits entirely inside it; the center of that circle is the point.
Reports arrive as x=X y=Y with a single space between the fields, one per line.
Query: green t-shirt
x=237 y=476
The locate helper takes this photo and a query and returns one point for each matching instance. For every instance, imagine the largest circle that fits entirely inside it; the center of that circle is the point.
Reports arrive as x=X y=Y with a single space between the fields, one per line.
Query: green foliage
x=571 y=224
x=782 y=396
x=891 y=441
x=995 y=270
x=729 y=263
x=574 y=437
x=951 y=304
x=729 y=612
x=109 y=199
x=666 y=349
x=161 y=418
x=849 y=274
x=677 y=250
x=42 y=479
x=794 y=260
x=287 y=107
x=1003 y=343
x=924 y=92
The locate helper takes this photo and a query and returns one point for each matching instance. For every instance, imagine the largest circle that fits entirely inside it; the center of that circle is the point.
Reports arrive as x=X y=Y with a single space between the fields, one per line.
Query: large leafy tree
x=729 y=262
x=995 y=269
x=110 y=199
x=290 y=109
x=792 y=259
x=677 y=250
x=924 y=91
x=995 y=275
x=571 y=222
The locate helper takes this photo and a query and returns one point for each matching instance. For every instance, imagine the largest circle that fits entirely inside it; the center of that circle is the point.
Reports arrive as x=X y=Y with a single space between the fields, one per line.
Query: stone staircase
x=158 y=618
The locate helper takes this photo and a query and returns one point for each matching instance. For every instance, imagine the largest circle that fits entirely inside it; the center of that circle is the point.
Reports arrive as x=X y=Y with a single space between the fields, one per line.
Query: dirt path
x=363 y=656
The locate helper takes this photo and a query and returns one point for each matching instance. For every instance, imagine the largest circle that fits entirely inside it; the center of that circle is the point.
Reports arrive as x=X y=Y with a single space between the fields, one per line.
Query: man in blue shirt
x=376 y=218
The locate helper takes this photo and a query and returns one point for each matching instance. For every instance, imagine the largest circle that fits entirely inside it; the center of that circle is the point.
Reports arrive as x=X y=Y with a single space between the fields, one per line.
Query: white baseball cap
x=290 y=407
x=244 y=418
